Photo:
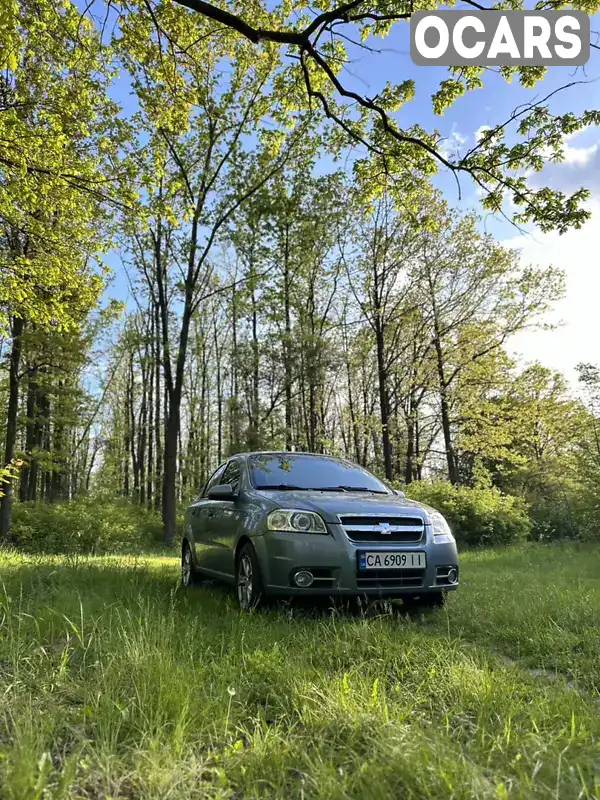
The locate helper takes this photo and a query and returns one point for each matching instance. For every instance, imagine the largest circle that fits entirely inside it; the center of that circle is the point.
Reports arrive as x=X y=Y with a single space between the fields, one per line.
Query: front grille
x=391 y=579
x=384 y=530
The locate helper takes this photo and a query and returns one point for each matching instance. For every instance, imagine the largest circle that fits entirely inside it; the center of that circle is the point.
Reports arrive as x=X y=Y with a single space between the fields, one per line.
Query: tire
x=429 y=600
x=189 y=573
x=248 y=581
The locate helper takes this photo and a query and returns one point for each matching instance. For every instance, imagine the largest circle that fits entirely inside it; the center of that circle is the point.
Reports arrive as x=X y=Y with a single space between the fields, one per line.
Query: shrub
x=586 y=510
x=479 y=516
x=84 y=525
x=553 y=518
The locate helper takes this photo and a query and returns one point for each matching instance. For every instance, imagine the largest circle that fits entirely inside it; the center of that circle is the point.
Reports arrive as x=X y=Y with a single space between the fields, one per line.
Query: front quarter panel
x=191 y=521
x=257 y=509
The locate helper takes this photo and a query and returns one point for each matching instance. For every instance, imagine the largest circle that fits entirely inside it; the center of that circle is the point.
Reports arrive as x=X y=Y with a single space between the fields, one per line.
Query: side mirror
x=222 y=491
x=399 y=493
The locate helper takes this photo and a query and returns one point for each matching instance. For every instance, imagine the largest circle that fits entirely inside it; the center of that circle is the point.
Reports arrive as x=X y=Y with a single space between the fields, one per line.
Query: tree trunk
x=219 y=388
x=46 y=442
x=254 y=432
x=38 y=441
x=234 y=419
x=445 y=410
x=287 y=343
x=169 y=508
x=143 y=429
x=353 y=420
x=12 y=411
x=30 y=433
x=383 y=402
x=150 y=422
x=58 y=463
x=127 y=439
x=133 y=436
x=158 y=464
x=410 y=446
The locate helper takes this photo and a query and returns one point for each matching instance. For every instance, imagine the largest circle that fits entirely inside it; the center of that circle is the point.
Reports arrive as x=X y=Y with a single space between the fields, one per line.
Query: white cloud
x=580 y=167
x=449 y=148
x=578 y=338
x=581 y=156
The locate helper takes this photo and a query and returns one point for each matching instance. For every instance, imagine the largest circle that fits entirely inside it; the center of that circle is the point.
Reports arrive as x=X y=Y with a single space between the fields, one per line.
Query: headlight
x=439 y=526
x=296 y=521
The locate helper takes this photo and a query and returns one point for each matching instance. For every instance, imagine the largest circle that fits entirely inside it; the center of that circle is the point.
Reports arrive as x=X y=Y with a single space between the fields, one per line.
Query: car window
x=297 y=471
x=232 y=475
x=214 y=479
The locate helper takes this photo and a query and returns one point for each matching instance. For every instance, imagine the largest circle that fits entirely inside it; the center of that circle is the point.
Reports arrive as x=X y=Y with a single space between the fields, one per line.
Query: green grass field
x=116 y=684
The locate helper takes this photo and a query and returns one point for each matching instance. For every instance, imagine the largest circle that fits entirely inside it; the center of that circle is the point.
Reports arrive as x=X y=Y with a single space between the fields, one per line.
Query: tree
x=55 y=123
x=317 y=42
x=194 y=171
x=474 y=294
x=387 y=241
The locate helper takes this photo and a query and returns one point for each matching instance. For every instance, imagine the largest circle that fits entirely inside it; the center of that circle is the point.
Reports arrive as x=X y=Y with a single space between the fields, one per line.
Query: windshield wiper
x=344 y=488
x=281 y=487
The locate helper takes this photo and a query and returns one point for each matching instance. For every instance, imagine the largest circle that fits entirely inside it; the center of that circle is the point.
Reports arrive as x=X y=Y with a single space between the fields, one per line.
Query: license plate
x=370 y=559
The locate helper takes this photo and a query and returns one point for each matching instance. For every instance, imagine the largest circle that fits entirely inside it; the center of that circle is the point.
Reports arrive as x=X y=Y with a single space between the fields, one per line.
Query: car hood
x=332 y=504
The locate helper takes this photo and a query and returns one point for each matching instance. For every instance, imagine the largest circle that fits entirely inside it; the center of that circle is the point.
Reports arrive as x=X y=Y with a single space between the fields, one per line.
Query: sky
x=576 y=335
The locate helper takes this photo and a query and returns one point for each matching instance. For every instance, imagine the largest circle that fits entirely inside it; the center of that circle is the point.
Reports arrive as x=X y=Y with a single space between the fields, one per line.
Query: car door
x=199 y=520
x=226 y=520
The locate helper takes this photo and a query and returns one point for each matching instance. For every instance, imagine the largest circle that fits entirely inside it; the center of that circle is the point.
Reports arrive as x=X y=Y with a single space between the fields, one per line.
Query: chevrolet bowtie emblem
x=384 y=527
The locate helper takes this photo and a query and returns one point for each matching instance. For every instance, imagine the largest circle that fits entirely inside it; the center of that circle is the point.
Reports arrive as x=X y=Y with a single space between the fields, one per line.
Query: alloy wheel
x=245 y=585
x=186 y=567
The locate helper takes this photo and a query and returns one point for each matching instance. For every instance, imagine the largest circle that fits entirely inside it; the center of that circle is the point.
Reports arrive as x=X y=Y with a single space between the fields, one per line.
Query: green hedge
x=84 y=525
x=481 y=516
x=478 y=517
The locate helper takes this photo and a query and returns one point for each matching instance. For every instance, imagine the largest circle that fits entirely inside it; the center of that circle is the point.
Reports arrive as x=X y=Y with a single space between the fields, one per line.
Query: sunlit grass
x=115 y=683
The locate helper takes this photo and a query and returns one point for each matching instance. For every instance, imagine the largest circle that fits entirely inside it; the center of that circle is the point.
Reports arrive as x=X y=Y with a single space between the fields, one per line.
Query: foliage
x=58 y=143
x=9 y=473
x=555 y=515
x=84 y=525
x=587 y=500
x=57 y=131
x=116 y=684
x=477 y=516
x=549 y=452
x=501 y=162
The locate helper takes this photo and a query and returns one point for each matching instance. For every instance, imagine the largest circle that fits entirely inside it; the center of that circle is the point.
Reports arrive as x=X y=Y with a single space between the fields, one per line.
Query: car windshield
x=296 y=471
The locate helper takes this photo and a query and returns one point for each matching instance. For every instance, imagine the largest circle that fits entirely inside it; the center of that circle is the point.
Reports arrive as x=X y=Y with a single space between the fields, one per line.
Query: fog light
x=452 y=576
x=303 y=578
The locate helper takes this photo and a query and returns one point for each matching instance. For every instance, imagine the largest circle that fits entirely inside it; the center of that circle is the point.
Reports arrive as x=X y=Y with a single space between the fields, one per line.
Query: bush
x=84 y=526
x=480 y=516
x=553 y=518
x=586 y=510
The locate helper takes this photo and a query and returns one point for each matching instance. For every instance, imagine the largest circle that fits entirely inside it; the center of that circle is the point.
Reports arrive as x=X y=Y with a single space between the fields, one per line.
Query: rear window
x=310 y=472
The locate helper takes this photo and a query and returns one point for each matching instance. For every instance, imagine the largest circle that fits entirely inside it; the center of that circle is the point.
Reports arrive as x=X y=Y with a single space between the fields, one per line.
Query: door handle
x=193 y=512
x=210 y=513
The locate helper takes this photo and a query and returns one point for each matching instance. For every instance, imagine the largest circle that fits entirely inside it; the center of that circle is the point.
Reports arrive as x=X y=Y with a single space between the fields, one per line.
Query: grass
x=116 y=684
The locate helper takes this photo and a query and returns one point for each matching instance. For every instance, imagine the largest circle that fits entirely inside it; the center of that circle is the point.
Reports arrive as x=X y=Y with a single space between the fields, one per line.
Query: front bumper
x=333 y=560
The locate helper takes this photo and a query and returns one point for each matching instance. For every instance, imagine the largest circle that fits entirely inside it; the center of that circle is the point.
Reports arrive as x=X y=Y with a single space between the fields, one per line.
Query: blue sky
x=576 y=336
x=578 y=339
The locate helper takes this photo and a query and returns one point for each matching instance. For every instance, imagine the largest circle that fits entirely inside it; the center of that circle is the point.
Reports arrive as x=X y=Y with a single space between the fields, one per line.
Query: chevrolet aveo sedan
x=289 y=524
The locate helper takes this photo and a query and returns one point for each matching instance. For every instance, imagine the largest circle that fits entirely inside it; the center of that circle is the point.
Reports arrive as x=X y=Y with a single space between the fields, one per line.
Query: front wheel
x=248 y=582
x=189 y=574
